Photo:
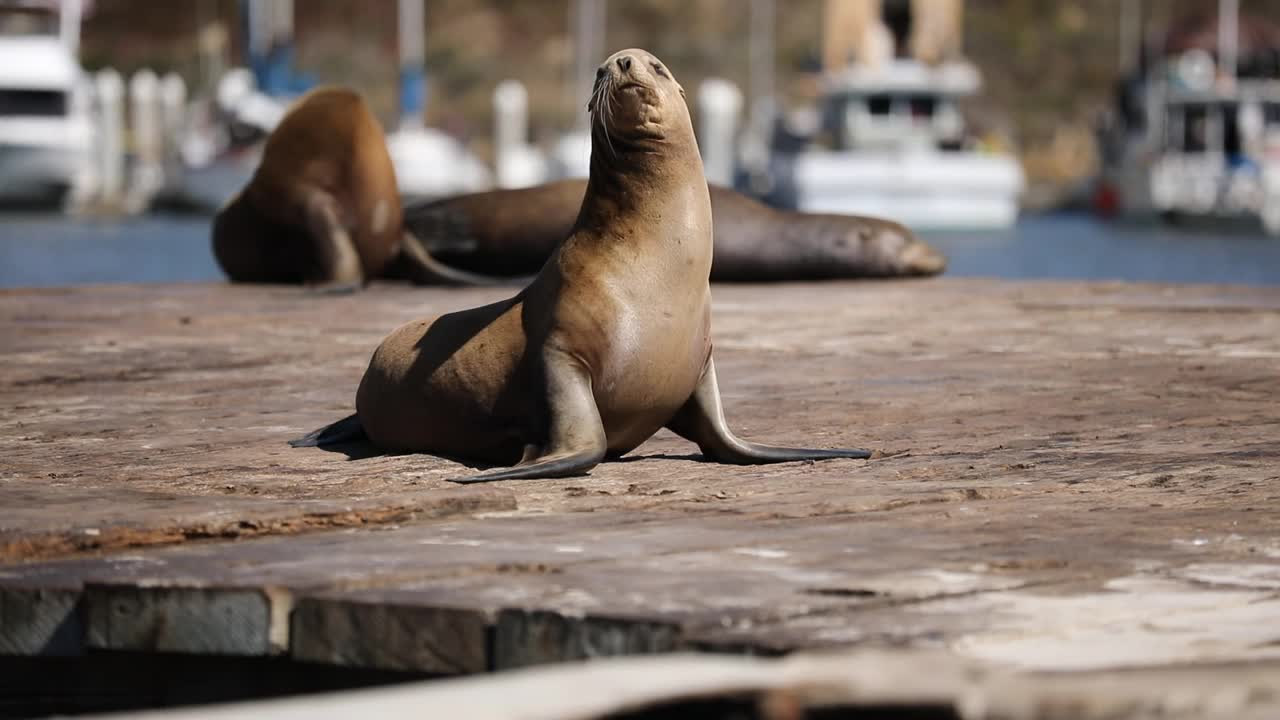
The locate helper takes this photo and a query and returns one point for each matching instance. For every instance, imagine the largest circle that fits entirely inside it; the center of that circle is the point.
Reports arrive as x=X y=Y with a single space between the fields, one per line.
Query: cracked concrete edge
x=242 y=523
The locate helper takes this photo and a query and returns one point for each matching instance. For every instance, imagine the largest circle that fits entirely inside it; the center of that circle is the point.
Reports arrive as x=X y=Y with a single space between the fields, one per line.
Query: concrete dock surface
x=1069 y=478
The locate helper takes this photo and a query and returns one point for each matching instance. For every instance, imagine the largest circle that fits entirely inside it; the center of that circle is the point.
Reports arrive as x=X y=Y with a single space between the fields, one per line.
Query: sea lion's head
x=890 y=249
x=637 y=102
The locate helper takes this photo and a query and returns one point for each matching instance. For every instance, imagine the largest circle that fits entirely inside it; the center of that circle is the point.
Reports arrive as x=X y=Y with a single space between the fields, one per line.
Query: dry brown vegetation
x=1048 y=64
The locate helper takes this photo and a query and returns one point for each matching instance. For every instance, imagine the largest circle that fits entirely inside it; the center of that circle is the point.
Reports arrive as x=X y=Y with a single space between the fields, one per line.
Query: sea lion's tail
x=420 y=268
x=415 y=264
x=439 y=228
x=346 y=430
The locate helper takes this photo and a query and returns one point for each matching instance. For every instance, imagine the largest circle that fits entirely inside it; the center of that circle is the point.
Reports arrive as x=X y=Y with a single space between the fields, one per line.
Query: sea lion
x=512 y=232
x=323 y=207
x=608 y=344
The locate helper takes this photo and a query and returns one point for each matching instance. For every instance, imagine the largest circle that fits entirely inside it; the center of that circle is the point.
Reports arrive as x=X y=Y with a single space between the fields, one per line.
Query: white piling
x=719 y=104
x=109 y=89
x=71 y=12
x=510 y=127
x=84 y=183
x=173 y=113
x=587 y=28
x=147 y=128
x=517 y=163
x=1228 y=41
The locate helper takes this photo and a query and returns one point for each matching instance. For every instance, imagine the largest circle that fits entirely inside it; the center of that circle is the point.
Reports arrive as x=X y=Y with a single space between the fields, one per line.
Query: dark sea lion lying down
x=512 y=233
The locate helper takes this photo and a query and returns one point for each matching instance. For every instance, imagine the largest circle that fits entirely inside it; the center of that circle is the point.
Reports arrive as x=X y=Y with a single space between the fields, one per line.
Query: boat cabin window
x=1271 y=114
x=919 y=107
x=1261 y=64
x=1230 y=122
x=922 y=106
x=32 y=103
x=1195 y=128
x=1199 y=127
x=892 y=118
x=18 y=21
x=879 y=104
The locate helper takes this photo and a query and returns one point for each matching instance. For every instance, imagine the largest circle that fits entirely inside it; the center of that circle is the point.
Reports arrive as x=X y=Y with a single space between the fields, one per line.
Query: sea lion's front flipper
x=576 y=441
x=701 y=420
x=415 y=264
x=339 y=264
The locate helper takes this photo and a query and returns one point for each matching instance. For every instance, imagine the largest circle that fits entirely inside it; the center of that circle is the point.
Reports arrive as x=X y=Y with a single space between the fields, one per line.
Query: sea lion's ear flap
x=678 y=85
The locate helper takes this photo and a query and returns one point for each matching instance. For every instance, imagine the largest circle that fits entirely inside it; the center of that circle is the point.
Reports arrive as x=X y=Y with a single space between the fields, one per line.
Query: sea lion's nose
x=624 y=62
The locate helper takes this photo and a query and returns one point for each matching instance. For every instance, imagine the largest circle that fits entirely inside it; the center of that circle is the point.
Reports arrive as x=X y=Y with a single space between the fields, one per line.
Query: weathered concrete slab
x=1069 y=476
x=40 y=621
x=133 y=405
x=465 y=596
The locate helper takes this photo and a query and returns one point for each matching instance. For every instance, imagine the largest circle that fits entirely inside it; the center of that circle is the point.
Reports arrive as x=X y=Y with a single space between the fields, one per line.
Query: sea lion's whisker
x=608 y=114
x=598 y=96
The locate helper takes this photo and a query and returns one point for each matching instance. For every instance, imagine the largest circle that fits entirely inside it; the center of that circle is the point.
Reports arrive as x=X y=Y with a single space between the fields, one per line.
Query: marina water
x=51 y=250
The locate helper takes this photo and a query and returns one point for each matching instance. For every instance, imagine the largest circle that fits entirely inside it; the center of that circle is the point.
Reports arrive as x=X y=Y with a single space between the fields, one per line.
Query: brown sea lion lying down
x=512 y=233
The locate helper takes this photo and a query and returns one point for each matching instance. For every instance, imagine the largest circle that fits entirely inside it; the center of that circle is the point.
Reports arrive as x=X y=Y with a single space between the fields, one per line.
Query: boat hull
x=925 y=190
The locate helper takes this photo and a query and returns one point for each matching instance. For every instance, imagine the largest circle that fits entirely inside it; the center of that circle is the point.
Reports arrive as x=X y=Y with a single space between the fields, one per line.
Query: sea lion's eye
x=660 y=70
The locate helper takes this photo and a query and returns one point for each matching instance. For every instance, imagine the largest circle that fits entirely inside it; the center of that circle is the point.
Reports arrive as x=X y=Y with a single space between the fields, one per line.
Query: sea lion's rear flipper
x=346 y=430
x=701 y=420
x=415 y=264
x=335 y=288
x=576 y=439
x=338 y=262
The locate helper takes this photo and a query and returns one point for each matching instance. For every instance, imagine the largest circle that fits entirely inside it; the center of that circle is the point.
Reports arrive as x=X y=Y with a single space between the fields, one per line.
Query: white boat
x=885 y=136
x=1196 y=130
x=900 y=150
x=45 y=129
x=430 y=163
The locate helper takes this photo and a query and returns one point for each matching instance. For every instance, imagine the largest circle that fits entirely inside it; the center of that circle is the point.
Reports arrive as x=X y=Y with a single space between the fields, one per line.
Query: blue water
x=44 y=250
x=1078 y=246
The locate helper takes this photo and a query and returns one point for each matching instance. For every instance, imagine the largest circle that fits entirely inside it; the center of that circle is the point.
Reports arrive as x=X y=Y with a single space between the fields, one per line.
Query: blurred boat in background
x=45 y=129
x=429 y=162
x=899 y=149
x=887 y=136
x=1195 y=131
x=249 y=103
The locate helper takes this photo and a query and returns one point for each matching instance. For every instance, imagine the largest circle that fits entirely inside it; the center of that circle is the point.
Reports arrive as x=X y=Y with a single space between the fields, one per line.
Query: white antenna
x=70 y=12
x=1130 y=34
x=761 y=61
x=412 y=30
x=588 y=18
x=1228 y=39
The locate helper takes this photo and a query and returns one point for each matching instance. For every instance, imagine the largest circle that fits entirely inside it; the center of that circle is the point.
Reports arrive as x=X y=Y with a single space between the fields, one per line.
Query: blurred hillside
x=1049 y=65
